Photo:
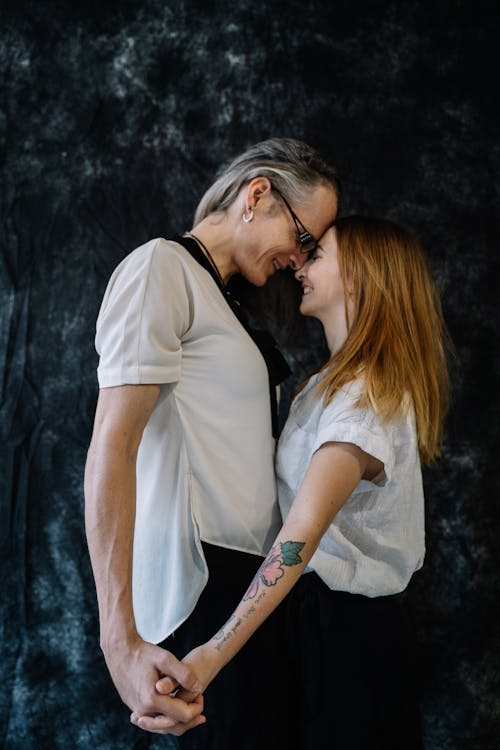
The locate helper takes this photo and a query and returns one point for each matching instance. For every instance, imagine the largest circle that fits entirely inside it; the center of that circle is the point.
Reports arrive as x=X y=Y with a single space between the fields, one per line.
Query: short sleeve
x=342 y=422
x=144 y=315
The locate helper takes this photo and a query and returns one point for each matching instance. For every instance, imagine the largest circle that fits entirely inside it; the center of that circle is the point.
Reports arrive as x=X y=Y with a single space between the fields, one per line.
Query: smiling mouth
x=306 y=290
x=277 y=264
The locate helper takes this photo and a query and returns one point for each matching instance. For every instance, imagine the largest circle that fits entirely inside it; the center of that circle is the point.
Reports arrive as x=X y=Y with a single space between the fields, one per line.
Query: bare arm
x=110 y=496
x=333 y=473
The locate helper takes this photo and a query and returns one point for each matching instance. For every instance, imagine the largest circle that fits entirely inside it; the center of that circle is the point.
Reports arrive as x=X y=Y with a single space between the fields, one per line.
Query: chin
x=261 y=279
x=303 y=308
x=256 y=278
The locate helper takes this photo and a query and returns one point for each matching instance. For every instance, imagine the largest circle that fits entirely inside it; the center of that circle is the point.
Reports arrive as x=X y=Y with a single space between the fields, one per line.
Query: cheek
x=338 y=294
x=253 y=257
x=261 y=252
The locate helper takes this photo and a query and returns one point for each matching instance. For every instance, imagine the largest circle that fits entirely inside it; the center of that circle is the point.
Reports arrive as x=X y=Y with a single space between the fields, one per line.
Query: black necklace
x=212 y=261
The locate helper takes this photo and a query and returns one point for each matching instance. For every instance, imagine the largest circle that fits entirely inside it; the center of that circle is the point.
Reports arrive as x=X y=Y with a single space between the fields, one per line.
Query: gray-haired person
x=180 y=490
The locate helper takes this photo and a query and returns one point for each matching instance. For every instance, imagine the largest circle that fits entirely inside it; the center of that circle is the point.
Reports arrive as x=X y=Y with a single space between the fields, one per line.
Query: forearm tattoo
x=226 y=632
x=282 y=555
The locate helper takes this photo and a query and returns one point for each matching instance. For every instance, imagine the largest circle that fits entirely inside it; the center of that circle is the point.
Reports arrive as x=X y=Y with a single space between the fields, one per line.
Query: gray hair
x=292 y=167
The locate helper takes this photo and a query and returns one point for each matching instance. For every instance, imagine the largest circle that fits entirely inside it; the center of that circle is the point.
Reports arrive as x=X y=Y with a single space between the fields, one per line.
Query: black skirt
x=355 y=664
x=328 y=670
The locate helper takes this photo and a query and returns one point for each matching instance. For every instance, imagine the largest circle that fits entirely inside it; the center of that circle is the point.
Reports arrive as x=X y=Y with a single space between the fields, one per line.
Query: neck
x=335 y=333
x=215 y=234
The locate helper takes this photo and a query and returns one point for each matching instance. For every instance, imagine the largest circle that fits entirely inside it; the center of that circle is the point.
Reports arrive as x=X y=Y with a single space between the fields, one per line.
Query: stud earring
x=248 y=215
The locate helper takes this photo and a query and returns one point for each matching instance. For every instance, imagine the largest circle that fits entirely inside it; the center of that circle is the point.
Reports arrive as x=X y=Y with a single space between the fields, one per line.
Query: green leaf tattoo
x=290 y=552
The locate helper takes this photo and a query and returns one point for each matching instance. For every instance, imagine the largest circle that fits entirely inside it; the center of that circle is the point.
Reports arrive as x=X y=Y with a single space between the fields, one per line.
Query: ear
x=258 y=188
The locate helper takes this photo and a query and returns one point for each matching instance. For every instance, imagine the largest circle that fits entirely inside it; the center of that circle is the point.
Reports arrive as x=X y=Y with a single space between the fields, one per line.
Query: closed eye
x=316 y=253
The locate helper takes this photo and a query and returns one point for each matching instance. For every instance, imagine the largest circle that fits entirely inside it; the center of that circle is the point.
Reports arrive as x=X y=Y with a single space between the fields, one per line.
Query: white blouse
x=205 y=463
x=377 y=539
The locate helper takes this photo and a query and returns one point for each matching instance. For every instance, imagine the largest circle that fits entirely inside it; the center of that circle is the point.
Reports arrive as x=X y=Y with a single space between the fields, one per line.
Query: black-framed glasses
x=307 y=242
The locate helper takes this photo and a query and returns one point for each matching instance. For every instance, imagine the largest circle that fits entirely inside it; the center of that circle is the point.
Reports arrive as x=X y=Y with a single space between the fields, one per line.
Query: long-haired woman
x=350 y=492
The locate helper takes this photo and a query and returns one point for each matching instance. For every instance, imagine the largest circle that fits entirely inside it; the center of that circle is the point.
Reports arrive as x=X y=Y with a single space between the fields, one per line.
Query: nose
x=300 y=272
x=297 y=261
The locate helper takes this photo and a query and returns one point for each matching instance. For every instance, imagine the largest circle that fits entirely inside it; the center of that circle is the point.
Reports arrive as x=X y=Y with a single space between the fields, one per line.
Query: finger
x=184 y=675
x=161 y=725
x=135 y=719
x=166 y=685
x=181 y=729
x=175 y=708
x=164 y=724
x=155 y=723
x=186 y=695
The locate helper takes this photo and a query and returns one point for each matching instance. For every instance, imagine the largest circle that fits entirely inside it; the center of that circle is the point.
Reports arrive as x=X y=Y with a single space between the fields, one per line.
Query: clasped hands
x=165 y=694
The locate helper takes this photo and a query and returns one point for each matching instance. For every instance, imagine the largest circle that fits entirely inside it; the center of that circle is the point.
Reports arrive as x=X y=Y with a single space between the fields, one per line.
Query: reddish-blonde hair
x=397 y=339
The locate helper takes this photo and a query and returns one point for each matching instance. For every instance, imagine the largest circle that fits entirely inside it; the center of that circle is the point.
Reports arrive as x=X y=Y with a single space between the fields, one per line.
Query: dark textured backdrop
x=114 y=118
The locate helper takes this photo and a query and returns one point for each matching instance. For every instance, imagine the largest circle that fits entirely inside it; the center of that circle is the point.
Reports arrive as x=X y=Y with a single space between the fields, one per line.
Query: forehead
x=319 y=209
x=328 y=240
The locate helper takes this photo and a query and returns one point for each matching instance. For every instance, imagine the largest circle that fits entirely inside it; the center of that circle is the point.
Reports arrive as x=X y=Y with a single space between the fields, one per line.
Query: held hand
x=137 y=666
x=204 y=663
x=161 y=724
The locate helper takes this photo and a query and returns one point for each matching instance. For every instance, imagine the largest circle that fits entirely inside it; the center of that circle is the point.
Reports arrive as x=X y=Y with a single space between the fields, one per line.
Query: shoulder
x=344 y=404
x=361 y=425
x=166 y=261
x=155 y=278
x=344 y=410
x=159 y=251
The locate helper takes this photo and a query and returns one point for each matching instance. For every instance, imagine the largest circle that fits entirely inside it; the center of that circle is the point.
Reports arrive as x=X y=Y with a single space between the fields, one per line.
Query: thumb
x=166 y=685
x=183 y=675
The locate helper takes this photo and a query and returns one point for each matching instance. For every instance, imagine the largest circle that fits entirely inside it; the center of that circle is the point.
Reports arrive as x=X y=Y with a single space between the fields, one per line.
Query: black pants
x=247 y=704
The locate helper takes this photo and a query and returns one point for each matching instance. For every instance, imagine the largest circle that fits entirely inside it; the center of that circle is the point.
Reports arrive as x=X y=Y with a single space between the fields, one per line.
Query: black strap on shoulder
x=277 y=367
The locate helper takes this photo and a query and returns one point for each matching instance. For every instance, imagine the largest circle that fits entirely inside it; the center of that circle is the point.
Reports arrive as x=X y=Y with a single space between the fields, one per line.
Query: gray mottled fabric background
x=114 y=117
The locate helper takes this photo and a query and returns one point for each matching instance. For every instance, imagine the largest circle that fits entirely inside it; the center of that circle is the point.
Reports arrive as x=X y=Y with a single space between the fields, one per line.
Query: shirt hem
x=235 y=548
x=137 y=376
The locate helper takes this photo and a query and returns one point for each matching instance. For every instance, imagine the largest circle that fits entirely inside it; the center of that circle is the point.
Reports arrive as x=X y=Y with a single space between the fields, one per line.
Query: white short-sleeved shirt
x=377 y=539
x=205 y=462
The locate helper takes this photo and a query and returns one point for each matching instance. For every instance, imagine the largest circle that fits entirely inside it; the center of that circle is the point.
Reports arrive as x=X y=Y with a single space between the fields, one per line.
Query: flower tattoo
x=283 y=554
